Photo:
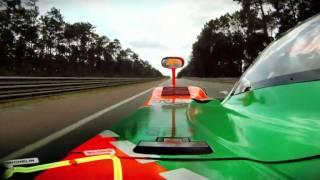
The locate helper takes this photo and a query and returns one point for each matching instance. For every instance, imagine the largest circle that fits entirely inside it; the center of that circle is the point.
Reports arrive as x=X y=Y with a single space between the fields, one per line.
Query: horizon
x=150 y=39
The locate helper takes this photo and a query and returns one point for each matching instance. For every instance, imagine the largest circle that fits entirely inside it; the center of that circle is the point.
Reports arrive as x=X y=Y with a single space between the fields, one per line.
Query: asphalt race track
x=53 y=148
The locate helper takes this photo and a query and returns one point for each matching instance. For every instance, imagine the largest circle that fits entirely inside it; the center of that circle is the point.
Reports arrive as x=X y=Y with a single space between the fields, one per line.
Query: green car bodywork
x=268 y=127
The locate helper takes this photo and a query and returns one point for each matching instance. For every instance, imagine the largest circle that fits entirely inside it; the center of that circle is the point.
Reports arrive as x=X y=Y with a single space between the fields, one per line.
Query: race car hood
x=257 y=125
x=264 y=133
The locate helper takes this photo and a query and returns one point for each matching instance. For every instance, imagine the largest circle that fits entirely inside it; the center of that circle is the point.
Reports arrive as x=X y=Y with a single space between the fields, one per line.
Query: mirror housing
x=172 y=62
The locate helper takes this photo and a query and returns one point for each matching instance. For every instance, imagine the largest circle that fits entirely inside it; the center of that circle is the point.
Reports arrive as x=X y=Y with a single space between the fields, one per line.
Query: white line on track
x=224 y=92
x=42 y=142
x=181 y=174
x=127 y=147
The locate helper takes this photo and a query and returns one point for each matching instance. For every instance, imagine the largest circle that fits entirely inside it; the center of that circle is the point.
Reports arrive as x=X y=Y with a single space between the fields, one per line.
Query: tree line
x=46 y=45
x=229 y=44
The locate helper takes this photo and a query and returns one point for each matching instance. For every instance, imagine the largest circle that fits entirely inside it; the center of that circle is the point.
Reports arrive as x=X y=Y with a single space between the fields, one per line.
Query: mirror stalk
x=173 y=77
x=172 y=63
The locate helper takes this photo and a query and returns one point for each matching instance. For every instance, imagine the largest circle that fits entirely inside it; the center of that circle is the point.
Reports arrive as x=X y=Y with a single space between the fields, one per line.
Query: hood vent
x=175 y=91
x=173 y=146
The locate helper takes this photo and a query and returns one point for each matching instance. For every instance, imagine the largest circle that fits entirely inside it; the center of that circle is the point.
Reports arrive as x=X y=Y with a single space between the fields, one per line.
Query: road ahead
x=50 y=127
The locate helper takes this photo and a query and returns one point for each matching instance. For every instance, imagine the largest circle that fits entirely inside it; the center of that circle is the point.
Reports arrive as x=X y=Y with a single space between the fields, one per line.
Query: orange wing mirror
x=172 y=63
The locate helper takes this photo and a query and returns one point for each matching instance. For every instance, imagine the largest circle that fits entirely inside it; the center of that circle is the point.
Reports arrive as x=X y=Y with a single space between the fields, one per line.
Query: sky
x=152 y=28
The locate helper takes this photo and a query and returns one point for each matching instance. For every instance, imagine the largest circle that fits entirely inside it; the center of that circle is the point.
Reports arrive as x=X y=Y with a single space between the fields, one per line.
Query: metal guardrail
x=12 y=88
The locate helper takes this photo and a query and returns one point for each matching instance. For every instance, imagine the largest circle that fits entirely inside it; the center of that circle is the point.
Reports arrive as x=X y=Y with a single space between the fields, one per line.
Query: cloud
x=147 y=44
x=153 y=29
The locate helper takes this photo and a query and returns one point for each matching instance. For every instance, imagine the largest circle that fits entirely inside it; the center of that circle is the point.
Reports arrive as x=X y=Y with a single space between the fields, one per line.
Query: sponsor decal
x=15 y=162
x=94 y=152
